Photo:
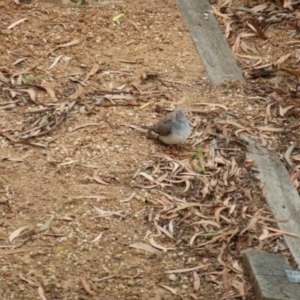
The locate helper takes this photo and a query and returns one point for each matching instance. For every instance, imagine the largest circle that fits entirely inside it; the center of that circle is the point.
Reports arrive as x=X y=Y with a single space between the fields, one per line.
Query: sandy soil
x=81 y=191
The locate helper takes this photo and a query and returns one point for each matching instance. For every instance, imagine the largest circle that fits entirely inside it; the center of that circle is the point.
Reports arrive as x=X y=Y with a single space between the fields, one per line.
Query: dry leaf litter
x=94 y=209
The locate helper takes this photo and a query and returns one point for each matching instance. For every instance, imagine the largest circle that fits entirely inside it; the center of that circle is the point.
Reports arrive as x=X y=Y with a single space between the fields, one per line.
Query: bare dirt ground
x=94 y=209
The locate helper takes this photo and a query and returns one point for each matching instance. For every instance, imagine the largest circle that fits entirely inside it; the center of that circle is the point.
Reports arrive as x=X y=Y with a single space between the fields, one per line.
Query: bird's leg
x=179 y=150
x=174 y=149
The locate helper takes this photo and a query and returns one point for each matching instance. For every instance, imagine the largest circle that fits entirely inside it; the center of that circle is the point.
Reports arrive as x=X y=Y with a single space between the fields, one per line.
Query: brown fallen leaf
x=216 y=12
x=72 y=43
x=87 y=197
x=6 y=246
x=196 y=281
x=221 y=252
x=288 y=153
x=17 y=232
x=97 y=238
x=145 y=247
x=50 y=91
x=288 y=4
x=173 y=291
x=107 y=213
x=200 y=266
x=250 y=225
x=225 y=280
x=240 y=286
x=86 y=286
x=184 y=206
x=93 y=71
x=157 y=246
x=129 y=198
x=249 y=56
x=228 y=28
x=77 y=93
x=86 y=125
x=14 y=251
x=256 y=24
x=46 y=225
x=269 y=129
x=104 y=278
x=145 y=186
x=214 y=104
x=97 y=179
x=29 y=281
x=16 y=23
x=282 y=59
x=282 y=231
x=259 y=7
x=293 y=72
x=218 y=212
x=163 y=230
x=41 y=293
x=56 y=60
x=282 y=111
x=15 y=159
x=8 y=106
x=256 y=29
x=271 y=220
x=138 y=273
x=207 y=222
x=19 y=60
x=264 y=235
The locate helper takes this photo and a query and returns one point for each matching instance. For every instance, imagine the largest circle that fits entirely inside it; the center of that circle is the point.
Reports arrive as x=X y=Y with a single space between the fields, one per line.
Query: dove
x=173 y=129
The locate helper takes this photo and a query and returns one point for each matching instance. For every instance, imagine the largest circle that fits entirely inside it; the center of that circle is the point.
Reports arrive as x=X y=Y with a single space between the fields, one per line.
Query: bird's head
x=179 y=113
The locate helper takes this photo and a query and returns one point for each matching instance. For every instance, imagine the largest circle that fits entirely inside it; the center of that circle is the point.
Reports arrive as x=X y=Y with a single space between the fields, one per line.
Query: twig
x=178 y=82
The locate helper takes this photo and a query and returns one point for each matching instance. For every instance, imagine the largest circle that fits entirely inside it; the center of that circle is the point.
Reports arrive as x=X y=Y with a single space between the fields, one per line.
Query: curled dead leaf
x=173 y=291
x=196 y=281
x=145 y=247
x=16 y=23
x=282 y=59
x=55 y=62
x=86 y=286
x=29 y=281
x=269 y=129
x=157 y=246
x=72 y=43
x=176 y=271
x=207 y=222
x=97 y=238
x=41 y=293
x=17 y=232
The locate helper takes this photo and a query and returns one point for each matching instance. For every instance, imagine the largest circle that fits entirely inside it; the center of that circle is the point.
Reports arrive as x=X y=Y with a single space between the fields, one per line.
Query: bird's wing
x=164 y=126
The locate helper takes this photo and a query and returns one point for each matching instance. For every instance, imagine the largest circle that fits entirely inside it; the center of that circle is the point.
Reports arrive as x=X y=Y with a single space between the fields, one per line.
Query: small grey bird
x=173 y=129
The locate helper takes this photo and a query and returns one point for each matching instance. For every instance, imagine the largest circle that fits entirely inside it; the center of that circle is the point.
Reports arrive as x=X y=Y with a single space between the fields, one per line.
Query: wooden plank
x=211 y=45
x=266 y=272
x=282 y=197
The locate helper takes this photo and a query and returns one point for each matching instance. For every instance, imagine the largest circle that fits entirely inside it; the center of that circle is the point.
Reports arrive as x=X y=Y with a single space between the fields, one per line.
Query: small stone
x=184 y=287
x=172 y=277
x=130 y=283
